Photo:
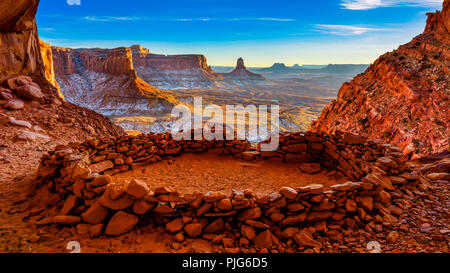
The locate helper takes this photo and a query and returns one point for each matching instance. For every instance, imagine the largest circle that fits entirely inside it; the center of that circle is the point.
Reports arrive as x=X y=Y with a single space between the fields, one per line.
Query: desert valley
x=86 y=153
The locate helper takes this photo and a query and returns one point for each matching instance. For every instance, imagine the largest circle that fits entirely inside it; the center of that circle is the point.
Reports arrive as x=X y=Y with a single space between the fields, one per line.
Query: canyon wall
x=105 y=80
x=173 y=71
x=19 y=53
x=49 y=70
x=403 y=97
x=27 y=80
x=19 y=43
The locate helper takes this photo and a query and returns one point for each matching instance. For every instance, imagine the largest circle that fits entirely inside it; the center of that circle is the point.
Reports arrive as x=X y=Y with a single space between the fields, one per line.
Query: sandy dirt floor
x=191 y=173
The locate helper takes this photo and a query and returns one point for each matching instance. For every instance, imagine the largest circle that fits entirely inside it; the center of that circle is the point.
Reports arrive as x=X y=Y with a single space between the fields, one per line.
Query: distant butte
x=240 y=73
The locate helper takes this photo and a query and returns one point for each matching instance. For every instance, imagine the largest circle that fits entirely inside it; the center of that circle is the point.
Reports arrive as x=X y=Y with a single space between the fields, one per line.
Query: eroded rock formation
x=242 y=75
x=106 y=81
x=403 y=97
x=47 y=58
x=173 y=71
x=19 y=52
x=27 y=86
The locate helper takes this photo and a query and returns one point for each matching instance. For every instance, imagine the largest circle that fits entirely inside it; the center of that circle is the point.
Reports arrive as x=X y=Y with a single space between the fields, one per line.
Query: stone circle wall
x=76 y=183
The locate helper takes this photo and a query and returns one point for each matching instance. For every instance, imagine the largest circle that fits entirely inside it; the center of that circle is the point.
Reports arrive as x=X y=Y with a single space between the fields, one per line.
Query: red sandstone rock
x=101 y=166
x=350 y=205
x=391 y=100
x=193 y=230
x=137 y=189
x=66 y=220
x=213 y=196
x=69 y=204
x=289 y=193
x=310 y=168
x=175 y=225
x=29 y=92
x=294 y=220
x=95 y=214
x=14 y=104
x=312 y=188
x=215 y=227
x=141 y=207
x=120 y=223
x=249 y=214
x=225 y=204
x=304 y=239
x=250 y=155
x=263 y=239
x=100 y=180
x=118 y=204
x=248 y=232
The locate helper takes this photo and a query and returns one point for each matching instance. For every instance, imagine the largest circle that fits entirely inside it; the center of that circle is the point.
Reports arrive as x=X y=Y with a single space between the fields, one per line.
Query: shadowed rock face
x=403 y=97
x=19 y=52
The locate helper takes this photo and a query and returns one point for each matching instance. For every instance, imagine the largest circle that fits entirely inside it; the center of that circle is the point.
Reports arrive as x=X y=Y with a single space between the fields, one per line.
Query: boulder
x=120 y=223
x=193 y=229
x=252 y=213
x=101 y=166
x=95 y=214
x=215 y=227
x=294 y=220
x=118 y=204
x=20 y=123
x=137 y=188
x=305 y=239
x=225 y=204
x=69 y=204
x=29 y=92
x=310 y=168
x=248 y=232
x=14 y=104
x=100 y=180
x=175 y=225
x=250 y=156
x=289 y=193
x=263 y=239
x=32 y=136
x=141 y=207
x=6 y=94
x=68 y=220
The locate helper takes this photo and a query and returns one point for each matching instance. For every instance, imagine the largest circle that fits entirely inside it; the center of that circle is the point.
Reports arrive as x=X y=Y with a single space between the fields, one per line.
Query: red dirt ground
x=191 y=173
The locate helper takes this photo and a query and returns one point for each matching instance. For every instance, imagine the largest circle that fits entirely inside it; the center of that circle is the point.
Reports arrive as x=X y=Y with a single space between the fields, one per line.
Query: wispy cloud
x=46 y=29
x=167 y=19
x=346 y=30
x=275 y=19
x=192 y=19
x=73 y=2
x=373 y=4
x=110 y=18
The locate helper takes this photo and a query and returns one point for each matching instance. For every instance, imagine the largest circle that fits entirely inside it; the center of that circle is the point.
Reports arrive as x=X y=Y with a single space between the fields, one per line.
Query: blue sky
x=262 y=31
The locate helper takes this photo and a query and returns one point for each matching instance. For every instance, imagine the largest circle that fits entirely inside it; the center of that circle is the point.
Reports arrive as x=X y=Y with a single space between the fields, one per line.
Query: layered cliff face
x=105 y=80
x=31 y=109
x=47 y=58
x=19 y=40
x=241 y=75
x=173 y=71
x=403 y=97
